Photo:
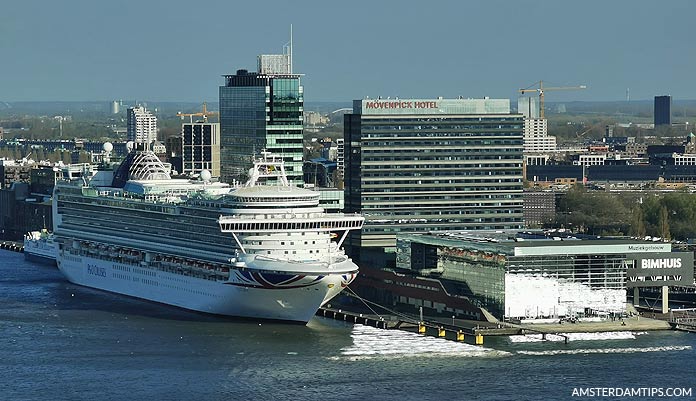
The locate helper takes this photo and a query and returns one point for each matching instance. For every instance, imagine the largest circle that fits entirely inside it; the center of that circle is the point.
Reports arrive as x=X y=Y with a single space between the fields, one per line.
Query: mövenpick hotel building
x=422 y=165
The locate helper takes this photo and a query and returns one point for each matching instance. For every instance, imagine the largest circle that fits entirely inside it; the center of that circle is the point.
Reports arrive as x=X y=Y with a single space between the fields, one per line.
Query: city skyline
x=80 y=51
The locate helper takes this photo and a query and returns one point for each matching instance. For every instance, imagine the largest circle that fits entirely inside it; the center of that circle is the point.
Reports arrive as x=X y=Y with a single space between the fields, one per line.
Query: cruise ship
x=39 y=246
x=263 y=249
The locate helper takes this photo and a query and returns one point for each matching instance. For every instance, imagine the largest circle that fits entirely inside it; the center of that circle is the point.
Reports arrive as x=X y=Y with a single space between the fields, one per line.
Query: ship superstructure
x=261 y=250
x=39 y=246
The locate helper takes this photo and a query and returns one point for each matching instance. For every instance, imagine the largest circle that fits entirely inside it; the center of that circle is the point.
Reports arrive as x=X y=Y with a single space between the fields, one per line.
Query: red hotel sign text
x=401 y=105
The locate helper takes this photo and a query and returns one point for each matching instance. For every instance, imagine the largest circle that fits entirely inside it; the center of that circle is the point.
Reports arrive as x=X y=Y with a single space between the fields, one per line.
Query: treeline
x=36 y=128
x=665 y=215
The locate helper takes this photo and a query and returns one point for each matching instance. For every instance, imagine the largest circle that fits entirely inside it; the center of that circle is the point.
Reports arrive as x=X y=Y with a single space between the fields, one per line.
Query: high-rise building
x=663 y=110
x=141 y=126
x=528 y=106
x=261 y=111
x=201 y=148
x=536 y=137
x=340 y=158
x=421 y=165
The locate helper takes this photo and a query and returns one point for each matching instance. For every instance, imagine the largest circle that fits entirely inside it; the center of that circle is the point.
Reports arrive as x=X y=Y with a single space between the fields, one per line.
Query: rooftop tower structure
x=262 y=110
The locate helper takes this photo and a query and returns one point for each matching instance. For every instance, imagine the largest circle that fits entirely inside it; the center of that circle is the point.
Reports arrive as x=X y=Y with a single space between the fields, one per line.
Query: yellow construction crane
x=203 y=113
x=541 y=89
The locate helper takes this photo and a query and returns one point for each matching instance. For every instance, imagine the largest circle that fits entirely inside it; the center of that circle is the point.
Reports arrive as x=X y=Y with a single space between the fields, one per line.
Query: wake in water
x=370 y=342
x=629 y=350
x=614 y=335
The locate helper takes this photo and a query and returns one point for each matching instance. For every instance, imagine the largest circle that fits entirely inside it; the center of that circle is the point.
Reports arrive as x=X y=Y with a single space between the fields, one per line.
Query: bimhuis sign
x=658 y=269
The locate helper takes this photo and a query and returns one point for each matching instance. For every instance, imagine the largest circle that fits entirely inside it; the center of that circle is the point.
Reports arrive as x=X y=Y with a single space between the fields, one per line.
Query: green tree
x=638 y=226
x=664 y=223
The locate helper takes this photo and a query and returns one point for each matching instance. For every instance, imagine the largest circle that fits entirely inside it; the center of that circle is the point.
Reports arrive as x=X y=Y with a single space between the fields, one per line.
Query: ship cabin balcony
x=230 y=224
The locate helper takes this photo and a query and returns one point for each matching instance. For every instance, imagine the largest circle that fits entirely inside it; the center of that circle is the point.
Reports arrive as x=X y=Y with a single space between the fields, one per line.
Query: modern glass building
x=421 y=165
x=540 y=275
x=200 y=148
x=257 y=112
x=663 y=110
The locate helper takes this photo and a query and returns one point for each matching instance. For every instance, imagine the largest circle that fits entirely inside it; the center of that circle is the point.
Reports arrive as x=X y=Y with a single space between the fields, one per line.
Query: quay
x=683 y=319
x=12 y=246
x=474 y=332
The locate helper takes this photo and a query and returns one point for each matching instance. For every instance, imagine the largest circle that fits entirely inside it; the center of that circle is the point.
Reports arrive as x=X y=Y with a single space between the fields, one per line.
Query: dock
x=683 y=320
x=12 y=246
x=474 y=332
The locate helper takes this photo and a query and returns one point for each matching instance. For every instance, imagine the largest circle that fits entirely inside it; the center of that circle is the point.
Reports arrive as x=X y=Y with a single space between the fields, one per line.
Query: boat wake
x=370 y=342
x=629 y=350
x=616 y=335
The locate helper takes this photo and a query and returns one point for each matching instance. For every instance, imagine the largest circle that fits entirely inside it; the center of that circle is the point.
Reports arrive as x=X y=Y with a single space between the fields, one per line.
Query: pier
x=474 y=332
x=683 y=319
x=12 y=246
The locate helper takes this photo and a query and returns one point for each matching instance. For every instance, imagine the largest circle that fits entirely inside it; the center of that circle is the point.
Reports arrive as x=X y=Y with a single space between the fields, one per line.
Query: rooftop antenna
x=287 y=50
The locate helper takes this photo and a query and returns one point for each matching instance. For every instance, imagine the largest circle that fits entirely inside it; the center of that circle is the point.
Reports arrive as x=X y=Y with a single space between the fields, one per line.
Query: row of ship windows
x=197 y=292
x=130 y=278
x=157 y=284
x=234 y=226
x=145 y=272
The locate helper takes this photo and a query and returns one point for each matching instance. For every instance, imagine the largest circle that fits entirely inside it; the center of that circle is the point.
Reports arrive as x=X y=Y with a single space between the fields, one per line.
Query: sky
x=175 y=50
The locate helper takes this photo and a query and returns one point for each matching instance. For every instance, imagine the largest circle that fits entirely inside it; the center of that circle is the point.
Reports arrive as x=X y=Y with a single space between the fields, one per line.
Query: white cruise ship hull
x=247 y=295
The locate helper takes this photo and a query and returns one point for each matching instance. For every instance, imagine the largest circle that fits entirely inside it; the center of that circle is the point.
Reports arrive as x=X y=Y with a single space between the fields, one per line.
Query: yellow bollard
x=441 y=332
x=421 y=328
x=460 y=336
x=479 y=339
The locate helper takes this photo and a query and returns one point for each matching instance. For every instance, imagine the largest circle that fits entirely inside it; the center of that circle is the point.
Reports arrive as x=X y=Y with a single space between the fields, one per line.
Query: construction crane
x=203 y=113
x=541 y=89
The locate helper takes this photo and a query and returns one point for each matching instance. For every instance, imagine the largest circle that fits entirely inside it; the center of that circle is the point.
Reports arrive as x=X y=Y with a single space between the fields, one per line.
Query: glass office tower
x=421 y=165
x=257 y=112
x=663 y=110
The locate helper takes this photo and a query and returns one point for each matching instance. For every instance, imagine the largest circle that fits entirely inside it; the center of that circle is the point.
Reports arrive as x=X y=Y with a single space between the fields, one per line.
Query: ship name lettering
x=96 y=270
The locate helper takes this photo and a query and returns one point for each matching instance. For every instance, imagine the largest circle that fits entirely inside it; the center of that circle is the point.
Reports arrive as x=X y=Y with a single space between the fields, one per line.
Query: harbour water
x=59 y=341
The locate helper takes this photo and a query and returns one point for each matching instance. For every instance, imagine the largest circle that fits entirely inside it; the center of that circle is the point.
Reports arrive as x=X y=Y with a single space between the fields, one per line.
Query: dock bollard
x=460 y=336
x=421 y=328
x=479 y=339
x=441 y=332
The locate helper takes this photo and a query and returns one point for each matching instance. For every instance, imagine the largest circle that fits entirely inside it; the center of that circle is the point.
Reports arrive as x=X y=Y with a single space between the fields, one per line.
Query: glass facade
x=531 y=278
x=258 y=112
x=433 y=172
x=201 y=148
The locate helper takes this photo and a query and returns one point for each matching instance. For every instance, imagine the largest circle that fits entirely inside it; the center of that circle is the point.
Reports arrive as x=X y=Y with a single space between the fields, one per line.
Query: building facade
x=261 y=112
x=536 y=137
x=420 y=165
x=539 y=208
x=540 y=275
x=663 y=110
x=200 y=144
x=141 y=126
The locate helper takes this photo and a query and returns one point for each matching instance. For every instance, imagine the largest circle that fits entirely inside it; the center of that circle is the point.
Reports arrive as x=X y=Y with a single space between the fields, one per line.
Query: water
x=59 y=341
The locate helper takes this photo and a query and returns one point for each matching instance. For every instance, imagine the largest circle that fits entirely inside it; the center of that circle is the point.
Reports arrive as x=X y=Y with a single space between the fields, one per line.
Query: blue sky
x=177 y=50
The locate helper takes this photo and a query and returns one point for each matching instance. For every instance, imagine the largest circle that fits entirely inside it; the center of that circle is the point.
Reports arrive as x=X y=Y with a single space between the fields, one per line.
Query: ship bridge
x=290 y=222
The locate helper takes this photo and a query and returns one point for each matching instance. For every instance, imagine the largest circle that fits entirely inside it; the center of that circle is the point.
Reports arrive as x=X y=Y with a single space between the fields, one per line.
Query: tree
x=664 y=223
x=638 y=226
